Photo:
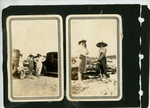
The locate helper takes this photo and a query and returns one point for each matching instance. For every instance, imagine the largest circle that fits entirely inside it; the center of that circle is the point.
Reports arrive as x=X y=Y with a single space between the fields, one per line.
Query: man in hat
x=82 y=52
x=101 y=60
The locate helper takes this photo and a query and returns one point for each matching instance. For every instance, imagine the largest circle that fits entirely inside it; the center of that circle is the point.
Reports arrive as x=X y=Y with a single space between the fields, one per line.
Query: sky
x=39 y=36
x=94 y=31
x=35 y=36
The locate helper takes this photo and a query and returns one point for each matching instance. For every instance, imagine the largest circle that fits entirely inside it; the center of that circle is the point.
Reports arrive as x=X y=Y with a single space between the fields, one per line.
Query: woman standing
x=39 y=59
x=21 y=67
x=82 y=52
x=30 y=59
x=101 y=60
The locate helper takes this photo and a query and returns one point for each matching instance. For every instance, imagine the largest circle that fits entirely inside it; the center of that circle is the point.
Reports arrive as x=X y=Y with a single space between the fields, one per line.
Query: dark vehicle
x=51 y=62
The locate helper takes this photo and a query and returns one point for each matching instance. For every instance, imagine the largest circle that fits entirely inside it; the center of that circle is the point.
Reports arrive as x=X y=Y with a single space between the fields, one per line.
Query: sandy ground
x=42 y=86
x=95 y=86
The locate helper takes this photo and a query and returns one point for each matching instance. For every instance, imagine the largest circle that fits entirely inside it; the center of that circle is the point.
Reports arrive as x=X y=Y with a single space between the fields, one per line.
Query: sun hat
x=101 y=43
x=38 y=55
x=81 y=40
x=30 y=55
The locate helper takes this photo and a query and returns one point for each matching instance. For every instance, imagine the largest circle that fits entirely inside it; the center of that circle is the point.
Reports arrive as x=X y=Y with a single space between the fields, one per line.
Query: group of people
x=35 y=63
x=82 y=52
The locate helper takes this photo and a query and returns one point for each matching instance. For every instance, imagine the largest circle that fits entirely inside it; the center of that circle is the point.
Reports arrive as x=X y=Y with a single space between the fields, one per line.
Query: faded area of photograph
x=98 y=78
x=34 y=58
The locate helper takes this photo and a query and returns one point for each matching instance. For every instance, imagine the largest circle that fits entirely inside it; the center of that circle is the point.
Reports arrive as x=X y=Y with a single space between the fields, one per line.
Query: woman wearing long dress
x=21 y=67
x=39 y=59
x=82 y=52
x=30 y=59
x=101 y=61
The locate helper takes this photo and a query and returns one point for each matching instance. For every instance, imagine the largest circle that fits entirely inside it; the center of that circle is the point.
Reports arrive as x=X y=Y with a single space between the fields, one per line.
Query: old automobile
x=51 y=62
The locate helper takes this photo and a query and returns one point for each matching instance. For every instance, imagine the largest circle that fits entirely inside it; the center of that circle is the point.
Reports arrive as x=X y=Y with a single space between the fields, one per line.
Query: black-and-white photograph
x=35 y=68
x=94 y=57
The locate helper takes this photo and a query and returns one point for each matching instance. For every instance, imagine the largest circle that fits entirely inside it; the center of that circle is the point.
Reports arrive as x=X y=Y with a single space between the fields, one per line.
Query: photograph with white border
x=35 y=58
x=94 y=57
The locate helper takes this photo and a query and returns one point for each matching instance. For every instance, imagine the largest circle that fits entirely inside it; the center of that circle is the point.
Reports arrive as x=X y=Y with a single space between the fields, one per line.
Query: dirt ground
x=95 y=86
x=34 y=86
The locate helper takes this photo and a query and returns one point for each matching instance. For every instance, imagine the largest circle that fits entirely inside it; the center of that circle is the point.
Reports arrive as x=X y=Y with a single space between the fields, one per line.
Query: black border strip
x=145 y=50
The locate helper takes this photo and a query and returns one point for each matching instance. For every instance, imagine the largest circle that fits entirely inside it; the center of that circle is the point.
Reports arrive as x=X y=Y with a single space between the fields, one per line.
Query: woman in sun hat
x=82 y=52
x=30 y=59
x=39 y=59
x=101 y=60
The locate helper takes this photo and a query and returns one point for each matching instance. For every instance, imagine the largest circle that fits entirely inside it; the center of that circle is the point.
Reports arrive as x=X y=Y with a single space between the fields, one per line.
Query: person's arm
x=28 y=59
x=102 y=55
x=98 y=55
x=43 y=59
x=36 y=60
x=78 y=51
x=87 y=52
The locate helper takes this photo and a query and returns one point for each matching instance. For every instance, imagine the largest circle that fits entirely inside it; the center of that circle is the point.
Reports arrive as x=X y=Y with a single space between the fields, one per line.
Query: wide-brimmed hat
x=38 y=55
x=101 y=43
x=81 y=40
x=30 y=55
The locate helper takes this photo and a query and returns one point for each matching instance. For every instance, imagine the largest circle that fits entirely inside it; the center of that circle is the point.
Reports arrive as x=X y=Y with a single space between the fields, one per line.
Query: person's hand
x=85 y=45
x=98 y=63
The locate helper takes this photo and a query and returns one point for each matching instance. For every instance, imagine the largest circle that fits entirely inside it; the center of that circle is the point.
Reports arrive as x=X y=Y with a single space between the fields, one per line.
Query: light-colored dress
x=39 y=64
x=21 y=69
x=20 y=65
x=82 y=52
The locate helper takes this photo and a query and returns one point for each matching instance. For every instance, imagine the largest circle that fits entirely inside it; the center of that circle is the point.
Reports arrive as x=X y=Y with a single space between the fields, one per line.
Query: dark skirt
x=82 y=64
x=31 y=66
x=101 y=66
